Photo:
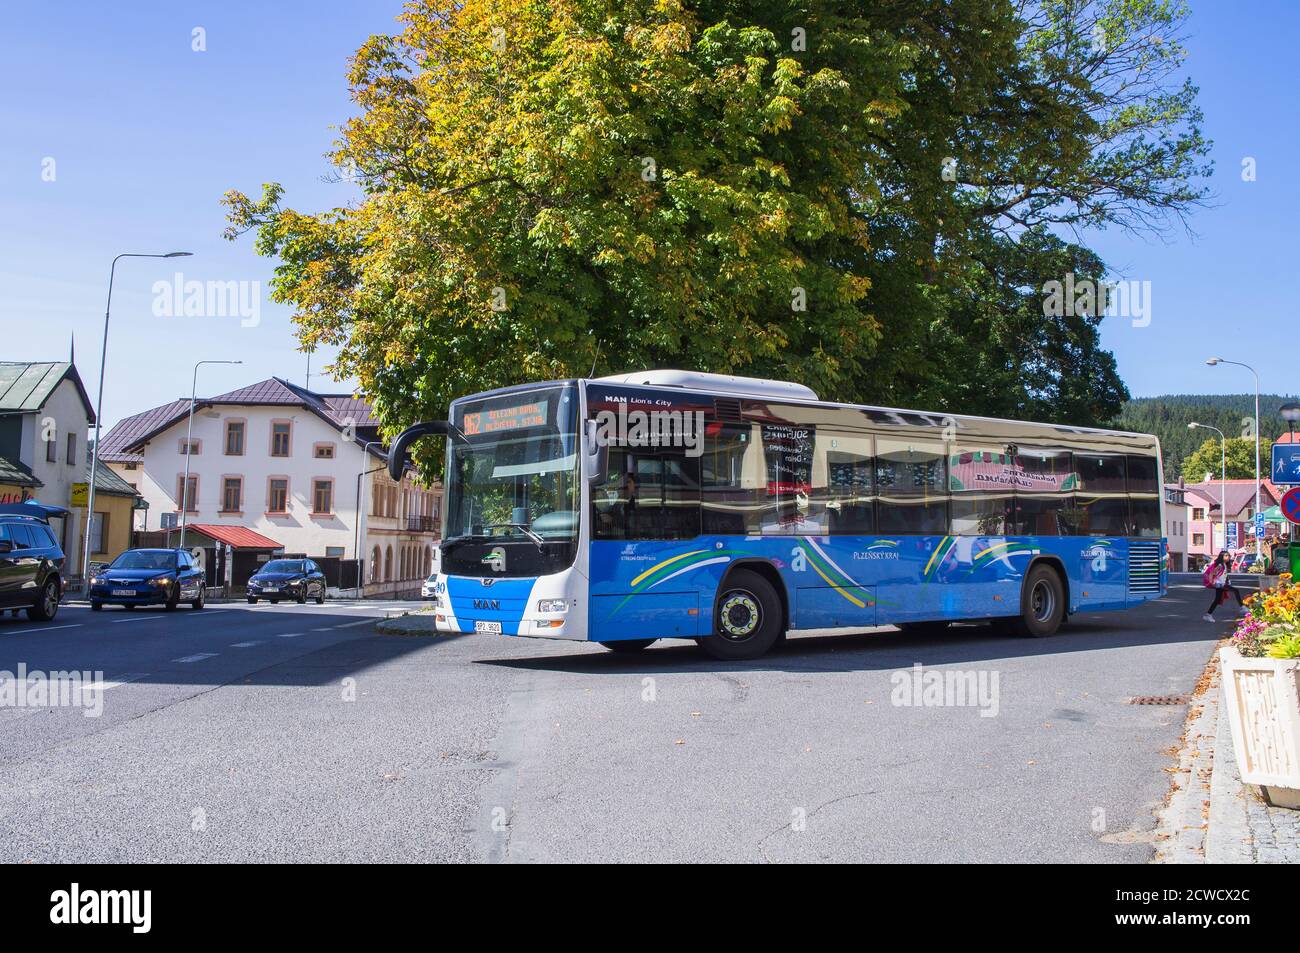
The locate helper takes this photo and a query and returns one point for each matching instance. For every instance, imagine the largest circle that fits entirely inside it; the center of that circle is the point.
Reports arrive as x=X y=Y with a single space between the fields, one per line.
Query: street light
x=1218 y=360
x=189 y=444
x=1223 y=479
x=99 y=403
x=356 y=540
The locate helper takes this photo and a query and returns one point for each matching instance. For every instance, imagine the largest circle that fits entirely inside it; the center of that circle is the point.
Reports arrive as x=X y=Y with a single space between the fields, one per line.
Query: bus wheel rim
x=740 y=615
x=1042 y=602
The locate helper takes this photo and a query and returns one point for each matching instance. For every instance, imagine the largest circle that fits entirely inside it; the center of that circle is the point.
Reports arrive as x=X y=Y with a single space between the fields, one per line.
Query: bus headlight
x=553 y=605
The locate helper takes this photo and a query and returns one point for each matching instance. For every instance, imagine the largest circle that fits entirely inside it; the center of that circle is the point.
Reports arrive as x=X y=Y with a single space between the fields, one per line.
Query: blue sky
x=146 y=134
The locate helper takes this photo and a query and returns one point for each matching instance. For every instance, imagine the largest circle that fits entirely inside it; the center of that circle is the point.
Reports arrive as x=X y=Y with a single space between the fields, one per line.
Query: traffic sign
x=1291 y=505
x=1286 y=463
x=1259 y=524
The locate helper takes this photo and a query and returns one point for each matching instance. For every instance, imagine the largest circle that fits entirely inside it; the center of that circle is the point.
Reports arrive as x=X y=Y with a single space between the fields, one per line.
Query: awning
x=236 y=537
x=1273 y=515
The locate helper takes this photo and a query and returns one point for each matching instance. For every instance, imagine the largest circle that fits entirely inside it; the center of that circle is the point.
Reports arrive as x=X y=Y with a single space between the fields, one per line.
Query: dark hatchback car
x=31 y=560
x=149 y=577
x=297 y=579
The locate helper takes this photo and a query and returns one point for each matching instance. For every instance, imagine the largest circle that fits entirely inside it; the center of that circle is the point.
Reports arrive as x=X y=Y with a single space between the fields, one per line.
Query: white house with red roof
x=295 y=468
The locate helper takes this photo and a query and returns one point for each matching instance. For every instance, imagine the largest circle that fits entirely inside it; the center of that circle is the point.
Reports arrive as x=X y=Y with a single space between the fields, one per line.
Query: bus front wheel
x=1042 y=603
x=747 y=621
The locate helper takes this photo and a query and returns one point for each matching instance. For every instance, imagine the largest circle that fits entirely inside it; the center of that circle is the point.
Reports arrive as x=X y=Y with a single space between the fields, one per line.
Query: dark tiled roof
x=123 y=443
x=14 y=473
x=26 y=386
x=106 y=481
x=116 y=445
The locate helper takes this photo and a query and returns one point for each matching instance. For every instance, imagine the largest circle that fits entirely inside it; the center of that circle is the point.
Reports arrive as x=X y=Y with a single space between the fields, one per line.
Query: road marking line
x=289 y=635
x=117 y=682
x=348 y=625
x=140 y=618
x=51 y=628
x=243 y=645
x=197 y=657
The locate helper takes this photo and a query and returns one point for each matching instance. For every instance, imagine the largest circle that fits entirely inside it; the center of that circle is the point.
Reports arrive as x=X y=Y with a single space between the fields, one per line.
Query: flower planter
x=1262 y=699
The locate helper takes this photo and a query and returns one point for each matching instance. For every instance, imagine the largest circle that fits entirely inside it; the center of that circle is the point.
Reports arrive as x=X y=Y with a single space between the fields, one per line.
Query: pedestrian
x=1216 y=577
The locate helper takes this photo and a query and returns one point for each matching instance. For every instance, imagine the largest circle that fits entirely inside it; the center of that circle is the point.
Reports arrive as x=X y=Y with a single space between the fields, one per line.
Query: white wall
x=298 y=530
x=68 y=413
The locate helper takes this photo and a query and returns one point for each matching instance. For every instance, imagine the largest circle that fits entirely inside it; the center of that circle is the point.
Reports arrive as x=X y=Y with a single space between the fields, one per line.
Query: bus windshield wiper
x=522 y=528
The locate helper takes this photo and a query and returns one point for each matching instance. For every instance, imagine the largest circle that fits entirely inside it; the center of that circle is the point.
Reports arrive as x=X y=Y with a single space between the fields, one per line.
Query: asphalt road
x=296 y=733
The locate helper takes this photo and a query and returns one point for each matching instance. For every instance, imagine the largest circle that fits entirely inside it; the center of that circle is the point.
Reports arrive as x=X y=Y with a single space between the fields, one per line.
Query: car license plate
x=481 y=626
x=270 y=588
x=123 y=592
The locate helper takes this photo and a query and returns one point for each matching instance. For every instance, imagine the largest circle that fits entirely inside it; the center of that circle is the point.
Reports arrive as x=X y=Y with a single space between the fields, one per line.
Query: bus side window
x=653 y=495
x=733 y=481
x=981 y=480
x=844 y=483
x=1045 y=493
x=912 y=487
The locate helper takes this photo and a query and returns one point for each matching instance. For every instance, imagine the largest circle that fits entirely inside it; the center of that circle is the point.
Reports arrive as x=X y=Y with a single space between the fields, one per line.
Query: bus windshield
x=513 y=474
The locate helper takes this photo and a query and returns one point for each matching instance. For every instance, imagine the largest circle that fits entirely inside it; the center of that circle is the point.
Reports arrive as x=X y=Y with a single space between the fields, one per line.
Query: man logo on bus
x=496 y=560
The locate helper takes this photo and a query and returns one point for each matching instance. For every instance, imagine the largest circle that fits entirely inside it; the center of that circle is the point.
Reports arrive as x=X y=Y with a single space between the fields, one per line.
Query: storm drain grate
x=1158 y=700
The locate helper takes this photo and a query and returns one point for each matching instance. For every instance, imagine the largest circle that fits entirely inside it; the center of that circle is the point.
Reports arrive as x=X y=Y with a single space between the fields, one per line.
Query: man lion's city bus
x=680 y=505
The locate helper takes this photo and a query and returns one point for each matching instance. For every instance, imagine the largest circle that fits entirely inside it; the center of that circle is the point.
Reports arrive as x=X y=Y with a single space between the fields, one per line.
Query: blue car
x=149 y=577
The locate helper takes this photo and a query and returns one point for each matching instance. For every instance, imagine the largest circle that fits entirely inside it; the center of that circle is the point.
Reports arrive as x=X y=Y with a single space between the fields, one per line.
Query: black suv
x=31 y=560
x=147 y=577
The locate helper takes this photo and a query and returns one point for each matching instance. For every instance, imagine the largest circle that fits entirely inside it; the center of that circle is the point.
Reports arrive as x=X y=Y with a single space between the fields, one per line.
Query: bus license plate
x=481 y=626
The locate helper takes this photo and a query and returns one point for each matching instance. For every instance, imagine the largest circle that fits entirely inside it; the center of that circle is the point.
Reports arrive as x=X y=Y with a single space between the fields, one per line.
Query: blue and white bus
x=729 y=510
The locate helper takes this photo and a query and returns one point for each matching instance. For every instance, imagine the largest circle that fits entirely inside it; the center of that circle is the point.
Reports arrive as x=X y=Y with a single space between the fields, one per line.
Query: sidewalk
x=1212 y=818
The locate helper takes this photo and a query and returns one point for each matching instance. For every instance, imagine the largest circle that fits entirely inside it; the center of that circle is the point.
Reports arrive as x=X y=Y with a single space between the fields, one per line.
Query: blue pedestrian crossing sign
x=1286 y=463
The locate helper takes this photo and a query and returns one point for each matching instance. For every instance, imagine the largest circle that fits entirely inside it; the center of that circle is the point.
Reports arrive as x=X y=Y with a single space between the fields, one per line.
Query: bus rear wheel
x=628 y=646
x=747 y=621
x=1042 y=604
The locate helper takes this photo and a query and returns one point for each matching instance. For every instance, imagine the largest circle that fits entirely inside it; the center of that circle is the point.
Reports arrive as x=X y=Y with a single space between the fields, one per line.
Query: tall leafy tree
x=857 y=196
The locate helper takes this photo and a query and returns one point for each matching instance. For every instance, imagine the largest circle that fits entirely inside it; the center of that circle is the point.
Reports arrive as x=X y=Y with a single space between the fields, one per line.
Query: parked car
x=428 y=588
x=297 y=579
x=1243 y=561
x=31 y=560
x=149 y=577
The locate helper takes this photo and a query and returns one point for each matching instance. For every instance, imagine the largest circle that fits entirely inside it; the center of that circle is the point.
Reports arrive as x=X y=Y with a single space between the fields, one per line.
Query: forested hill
x=1167 y=417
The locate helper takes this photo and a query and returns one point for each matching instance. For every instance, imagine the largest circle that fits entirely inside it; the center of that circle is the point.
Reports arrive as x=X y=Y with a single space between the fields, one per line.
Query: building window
x=323 y=451
x=1198 y=539
x=98 y=529
x=322 y=496
x=188 y=501
x=277 y=496
x=193 y=445
x=232 y=491
x=280 y=430
x=72 y=449
x=334 y=552
x=51 y=451
x=1198 y=513
x=234 y=438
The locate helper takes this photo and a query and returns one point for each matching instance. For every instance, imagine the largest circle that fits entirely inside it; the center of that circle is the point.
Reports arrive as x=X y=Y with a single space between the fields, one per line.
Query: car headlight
x=160 y=581
x=96 y=581
x=553 y=605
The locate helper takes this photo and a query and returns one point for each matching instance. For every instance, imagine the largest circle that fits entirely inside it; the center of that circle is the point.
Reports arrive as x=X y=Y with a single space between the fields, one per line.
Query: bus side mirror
x=397 y=451
x=595 y=456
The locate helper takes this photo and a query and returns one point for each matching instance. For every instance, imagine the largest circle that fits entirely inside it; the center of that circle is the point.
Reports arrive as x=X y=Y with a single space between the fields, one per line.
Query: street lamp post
x=1218 y=360
x=189 y=444
x=1223 y=479
x=99 y=403
x=356 y=541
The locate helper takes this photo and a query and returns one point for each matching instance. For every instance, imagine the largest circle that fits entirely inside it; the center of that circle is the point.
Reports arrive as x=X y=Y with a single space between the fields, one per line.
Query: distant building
x=45 y=415
x=300 y=469
x=1176 y=513
x=1206 y=525
x=116 y=503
